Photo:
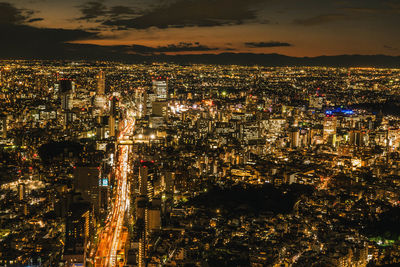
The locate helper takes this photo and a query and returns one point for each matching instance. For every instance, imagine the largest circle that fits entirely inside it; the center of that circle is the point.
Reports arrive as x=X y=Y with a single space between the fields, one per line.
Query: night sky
x=40 y=28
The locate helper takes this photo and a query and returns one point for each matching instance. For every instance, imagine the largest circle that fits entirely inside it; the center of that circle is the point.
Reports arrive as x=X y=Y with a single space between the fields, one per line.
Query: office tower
x=141 y=102
x=167 y=182
x=65 y=86
x=143 y=175
x=112 y=126
x=160 y=88
x=154 y=215
x=100 y=101
x=101 y=127
x=21 y=191
x=65 y=93
x=112 y=122
x=101 y=83
x=142 y=250
x=358 y=137
x=114 y=103
x=104 y=195
x=330 y=123
x=160 y=109
x=3 y=126
x=77 y=233
x=294 y=137
x=86 y=181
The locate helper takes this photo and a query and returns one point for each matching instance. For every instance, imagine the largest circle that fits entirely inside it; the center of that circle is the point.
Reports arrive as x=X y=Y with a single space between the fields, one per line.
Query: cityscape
x=199 y=133
x=110 y=164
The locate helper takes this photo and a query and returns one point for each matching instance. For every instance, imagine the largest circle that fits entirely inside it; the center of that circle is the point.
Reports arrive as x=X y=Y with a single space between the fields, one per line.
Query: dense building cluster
x=107 y=164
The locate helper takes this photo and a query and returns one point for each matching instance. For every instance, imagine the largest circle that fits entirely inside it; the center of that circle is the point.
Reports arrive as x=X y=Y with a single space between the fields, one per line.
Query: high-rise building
x=86 y=181
x=160 y=88
x=66 y=94
x=330 y=123
x=77 y=233
x=167 y=182
x=154 y=216
x=21 y=191
x=101 y=83
x=143 y=175
x=66 y=86
x=100 y=101
x=142 y=251
x=294 y=137
x=3 y=126
x=160 y=108
x=141 y=101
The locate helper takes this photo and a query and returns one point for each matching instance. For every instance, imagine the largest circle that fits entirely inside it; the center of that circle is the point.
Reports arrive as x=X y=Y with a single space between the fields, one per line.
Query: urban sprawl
x=111 y=164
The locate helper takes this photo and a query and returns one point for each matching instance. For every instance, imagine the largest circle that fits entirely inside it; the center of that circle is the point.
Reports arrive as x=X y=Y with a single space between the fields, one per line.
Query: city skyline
x=212 y=133
x=113 y=29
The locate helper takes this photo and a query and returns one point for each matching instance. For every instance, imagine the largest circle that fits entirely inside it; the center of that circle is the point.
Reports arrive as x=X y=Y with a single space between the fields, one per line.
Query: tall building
x=143 y=175
x=330 y=123
x=153 y=221
x=3 y=126
x=112 y=120
x=66 y=94
x=101 y=83
x=141 y=102
x=160 y=109
x=294 y=137
x=160 y=88
x=77 y=233
x=66 y=86
x=142 y=251
x=86 y=181
x=100 y=101
x=21 y=191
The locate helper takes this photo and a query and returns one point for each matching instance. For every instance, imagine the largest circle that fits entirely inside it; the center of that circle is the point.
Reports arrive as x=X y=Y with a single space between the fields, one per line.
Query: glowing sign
x=103 y=182
x=339 y=111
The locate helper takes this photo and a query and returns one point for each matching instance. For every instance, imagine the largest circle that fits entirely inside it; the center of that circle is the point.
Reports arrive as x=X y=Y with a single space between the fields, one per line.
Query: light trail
x=112 y=235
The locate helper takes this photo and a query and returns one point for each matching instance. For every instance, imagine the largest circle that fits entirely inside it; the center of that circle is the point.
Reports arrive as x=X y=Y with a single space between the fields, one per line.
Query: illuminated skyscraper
x=65 y=92
x=294 y=137
x=101 y=83
x=143 y=173
x=3 y=126
x=141 y=101
x=160 y=88
x=100 y=101
x=21 y=191
x=330 y=123
x=77 y=233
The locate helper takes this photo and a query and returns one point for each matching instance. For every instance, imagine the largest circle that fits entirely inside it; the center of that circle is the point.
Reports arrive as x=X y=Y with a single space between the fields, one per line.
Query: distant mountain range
x=380 y=61
x=93 y=52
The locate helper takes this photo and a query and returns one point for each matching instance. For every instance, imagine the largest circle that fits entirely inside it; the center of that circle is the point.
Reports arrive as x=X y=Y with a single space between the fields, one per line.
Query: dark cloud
x=92 y=10
x=97 y=10
x=388 y=47
x=266 y=44
x=56 y=43
x=35 y=19
x=182 y=13
x=117 y=11
x=12 y=15
x=172 y=48
x=42 y=42
x=320 y=19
